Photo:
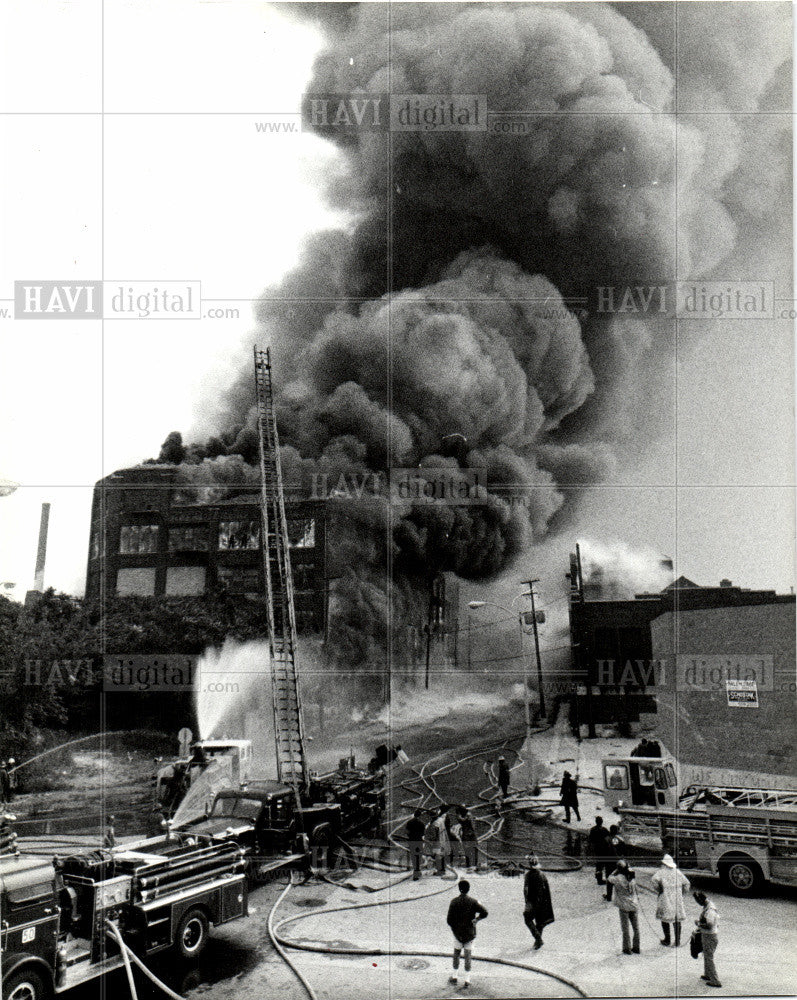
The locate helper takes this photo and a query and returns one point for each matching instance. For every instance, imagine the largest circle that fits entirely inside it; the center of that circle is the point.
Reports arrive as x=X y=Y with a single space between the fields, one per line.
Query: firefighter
x=109 y=838
x=5 y=784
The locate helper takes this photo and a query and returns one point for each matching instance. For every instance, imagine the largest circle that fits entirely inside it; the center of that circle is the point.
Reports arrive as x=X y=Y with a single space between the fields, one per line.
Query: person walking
x=707 y=925
x=598 y=839
x=464 y=913
x=626 y=899
x=503 y=776
x=671 y=886
x=568 y=794
x=538 y=909
x=415 y=831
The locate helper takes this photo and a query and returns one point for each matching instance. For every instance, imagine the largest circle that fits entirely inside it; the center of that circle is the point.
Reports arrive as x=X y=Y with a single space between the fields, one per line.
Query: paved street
x=756 y=953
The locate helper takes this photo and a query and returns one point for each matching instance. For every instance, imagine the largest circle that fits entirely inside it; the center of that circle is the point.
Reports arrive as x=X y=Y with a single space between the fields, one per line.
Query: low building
x=614 y=666
x=725 y=693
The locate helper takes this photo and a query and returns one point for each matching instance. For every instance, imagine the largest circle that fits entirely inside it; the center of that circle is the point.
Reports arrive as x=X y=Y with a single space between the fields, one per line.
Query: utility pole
x=429 y=619
x=530 y=585
x=582 y=653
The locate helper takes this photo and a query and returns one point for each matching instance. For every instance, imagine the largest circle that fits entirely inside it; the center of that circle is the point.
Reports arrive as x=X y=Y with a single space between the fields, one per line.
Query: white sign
x=742 y=694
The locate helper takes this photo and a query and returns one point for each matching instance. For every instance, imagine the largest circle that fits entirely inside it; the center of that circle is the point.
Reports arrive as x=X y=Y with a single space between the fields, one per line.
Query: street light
x=474 y=606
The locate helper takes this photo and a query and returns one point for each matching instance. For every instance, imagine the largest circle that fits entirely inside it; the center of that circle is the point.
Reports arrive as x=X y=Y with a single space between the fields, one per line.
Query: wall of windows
x=240 y=580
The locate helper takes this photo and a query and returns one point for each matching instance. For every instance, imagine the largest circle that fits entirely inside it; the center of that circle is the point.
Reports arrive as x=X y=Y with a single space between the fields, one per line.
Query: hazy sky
x=174 y=182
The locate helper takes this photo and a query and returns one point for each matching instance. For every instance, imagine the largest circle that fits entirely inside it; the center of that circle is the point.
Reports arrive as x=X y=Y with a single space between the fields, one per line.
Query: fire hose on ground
x=129 y=955
x=284 y=942
x=494 y=827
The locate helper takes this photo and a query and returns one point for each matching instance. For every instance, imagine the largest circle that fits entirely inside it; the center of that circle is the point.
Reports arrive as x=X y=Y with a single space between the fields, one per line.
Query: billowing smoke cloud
x=615 y=571
x=448 y=324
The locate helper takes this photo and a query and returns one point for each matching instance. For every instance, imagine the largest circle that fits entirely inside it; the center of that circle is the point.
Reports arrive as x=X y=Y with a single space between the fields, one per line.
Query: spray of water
x=233 y=685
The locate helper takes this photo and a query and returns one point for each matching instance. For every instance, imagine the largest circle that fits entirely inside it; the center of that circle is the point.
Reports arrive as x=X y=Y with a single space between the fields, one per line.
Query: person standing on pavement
x=5 y=784
x=467 y=836
x=569 y=796
x=441 y=842
x=503 y=776
x=464 y=913
x=671 y=885
x=415 y=831
x=626 y=899
x=611 y=847
x=109 y=839
x=598 y=839
x=707 y=925
x=12 y=778
x=538 y=909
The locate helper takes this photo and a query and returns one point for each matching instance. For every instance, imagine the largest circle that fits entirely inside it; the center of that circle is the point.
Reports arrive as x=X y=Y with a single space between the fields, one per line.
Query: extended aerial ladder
x=288 y=729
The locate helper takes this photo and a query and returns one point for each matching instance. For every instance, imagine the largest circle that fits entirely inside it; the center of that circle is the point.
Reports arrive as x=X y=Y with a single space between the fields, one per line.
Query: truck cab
x=30 y=926
x=639 y=781
x=173 y=780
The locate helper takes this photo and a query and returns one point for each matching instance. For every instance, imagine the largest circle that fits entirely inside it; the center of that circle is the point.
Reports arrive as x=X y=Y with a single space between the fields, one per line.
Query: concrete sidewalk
x=756 y=955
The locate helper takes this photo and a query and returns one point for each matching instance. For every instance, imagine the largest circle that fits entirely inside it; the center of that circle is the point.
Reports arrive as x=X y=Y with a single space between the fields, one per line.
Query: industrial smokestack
x=41 y=552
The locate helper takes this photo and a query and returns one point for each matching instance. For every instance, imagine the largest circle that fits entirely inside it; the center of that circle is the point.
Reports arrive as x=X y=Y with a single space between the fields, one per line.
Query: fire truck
x=60 y=916
x=275 y=832
x=747 y=836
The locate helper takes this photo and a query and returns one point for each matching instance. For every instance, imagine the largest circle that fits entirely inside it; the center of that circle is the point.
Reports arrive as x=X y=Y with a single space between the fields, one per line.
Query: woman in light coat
x=671 y=885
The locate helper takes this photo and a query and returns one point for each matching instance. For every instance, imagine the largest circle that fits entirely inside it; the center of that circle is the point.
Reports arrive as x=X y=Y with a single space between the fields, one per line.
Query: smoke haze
x=453 y=304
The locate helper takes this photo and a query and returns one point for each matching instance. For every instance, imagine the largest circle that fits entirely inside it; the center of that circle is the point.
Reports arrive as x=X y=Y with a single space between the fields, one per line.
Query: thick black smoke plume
x=450 y=324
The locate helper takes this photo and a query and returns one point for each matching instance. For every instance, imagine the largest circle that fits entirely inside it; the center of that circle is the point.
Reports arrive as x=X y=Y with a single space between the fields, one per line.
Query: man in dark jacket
x=415 y=831
x=569 y=796
x=615 y=848
x=598 y=838
x=5 y=784
x=538 y=910
x=503 y=776
x=467 y=837
x=464 y=912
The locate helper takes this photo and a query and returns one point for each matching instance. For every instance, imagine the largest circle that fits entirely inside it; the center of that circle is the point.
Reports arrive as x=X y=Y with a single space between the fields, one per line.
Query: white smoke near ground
x=432 y=706
x=619 y=571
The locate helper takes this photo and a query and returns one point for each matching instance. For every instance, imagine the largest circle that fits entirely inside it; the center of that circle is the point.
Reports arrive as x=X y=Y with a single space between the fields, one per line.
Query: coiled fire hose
x=334 y=950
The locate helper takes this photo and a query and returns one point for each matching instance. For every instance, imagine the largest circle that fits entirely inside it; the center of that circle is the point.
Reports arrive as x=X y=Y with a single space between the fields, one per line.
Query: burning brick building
x=154 y=535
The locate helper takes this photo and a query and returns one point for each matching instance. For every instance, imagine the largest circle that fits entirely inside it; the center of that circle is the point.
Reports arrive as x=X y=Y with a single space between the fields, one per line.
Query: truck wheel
x=26 y=984
x=192 y=934
x=741 y=875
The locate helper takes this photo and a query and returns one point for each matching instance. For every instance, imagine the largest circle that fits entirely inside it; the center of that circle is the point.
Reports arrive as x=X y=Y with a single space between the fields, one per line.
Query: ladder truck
x=301 y=813
x=747 y=836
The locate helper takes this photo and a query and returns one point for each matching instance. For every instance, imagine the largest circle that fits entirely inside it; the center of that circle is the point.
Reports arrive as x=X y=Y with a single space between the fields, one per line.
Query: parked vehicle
x=165 y=893
x=747 y=836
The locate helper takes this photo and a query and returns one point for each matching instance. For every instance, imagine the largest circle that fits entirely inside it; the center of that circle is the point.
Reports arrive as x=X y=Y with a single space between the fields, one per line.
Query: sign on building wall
x=742 y=694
